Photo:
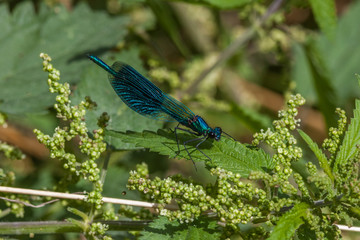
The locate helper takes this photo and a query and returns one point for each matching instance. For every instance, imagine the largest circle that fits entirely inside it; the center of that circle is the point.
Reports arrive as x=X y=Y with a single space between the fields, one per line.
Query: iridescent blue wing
x=144 y=97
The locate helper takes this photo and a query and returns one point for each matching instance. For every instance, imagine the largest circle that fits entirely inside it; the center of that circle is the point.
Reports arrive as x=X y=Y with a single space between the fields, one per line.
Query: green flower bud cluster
x=16 y=208
x=11 y=152
x=348 y=181
x=98 y=228
x=109 y=212
x=301 y=185
x=322 y=182
x=321 y=226
x=333 y=142
x=8 y=179
x=284 y=143
x=129 y=212
x=230 y=198
x=254 y=233
x=3 y=120
x=74 y=115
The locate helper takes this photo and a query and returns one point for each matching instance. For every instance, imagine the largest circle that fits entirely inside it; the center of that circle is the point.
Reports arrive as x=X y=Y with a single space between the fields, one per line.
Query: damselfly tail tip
x=90 y=56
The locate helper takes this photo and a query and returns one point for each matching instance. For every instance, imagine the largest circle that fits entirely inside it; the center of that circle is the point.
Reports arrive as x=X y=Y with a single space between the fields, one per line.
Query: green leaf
x=221 y=4
x=289 y=222
x=318 y=153
x=96 y=85
x=226 y=154
x=166 y=18
x=351 y=139
x=341 y=61
x=228 y=3
x=164 y=229
x=302 y=75
x=65 y=36
x=325 y=15
x=326 y=96
x=314 y=81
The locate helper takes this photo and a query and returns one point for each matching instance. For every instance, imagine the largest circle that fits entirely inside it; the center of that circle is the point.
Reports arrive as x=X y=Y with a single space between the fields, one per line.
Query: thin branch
x=29 y=204
x=42 y=227
x=81 y=197
x=346 y=228
x=231 y=49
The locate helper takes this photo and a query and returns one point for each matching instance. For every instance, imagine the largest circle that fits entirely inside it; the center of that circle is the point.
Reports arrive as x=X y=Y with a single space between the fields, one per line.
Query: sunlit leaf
x=289 y=222
x=226 y=154
x=318 y=153
x=351 y=140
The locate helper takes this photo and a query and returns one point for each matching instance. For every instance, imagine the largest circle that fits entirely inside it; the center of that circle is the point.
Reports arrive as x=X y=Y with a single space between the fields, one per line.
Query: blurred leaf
x=326 y=96
x=222 y=4
x=226 y=154
x=313 y=73
x=96 y=85
x=318 y=153
x=351 y=139
x=166 y=18
x=65 y=36
x=164 y=229
x=339 y=57
x=289 y=222
x=254 y=120
x=302 y=75
x=228 y=3
x=325 y=15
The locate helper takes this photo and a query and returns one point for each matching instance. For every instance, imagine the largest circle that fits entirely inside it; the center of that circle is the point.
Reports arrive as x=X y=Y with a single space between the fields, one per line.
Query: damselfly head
x=215 y=133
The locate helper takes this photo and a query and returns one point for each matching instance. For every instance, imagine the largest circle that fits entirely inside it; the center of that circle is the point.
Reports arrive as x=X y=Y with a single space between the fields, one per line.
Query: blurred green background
x=176 y=44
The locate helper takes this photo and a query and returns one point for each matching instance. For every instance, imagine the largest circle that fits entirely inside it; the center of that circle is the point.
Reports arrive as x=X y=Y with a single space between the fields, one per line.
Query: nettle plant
x=256 y=194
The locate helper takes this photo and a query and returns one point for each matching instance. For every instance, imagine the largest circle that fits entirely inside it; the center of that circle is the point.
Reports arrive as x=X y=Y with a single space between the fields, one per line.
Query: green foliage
x=312 y=71
x=325 y=15
x=334 y=53
x=289 y=222
x=162 y=228
x=167 y=20
x=222 y=4
x=67 y=36
x=11 y=152
x=226 y=154
x=318 y=153
x=244 y=192
x=349 y=147
x=322 y=83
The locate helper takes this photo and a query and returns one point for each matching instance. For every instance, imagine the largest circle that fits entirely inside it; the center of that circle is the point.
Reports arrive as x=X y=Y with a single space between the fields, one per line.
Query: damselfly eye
x=211 y=134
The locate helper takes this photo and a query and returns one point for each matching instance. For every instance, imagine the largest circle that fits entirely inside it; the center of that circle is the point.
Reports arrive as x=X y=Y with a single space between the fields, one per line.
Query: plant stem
x=80 y=197
x=42 y=227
